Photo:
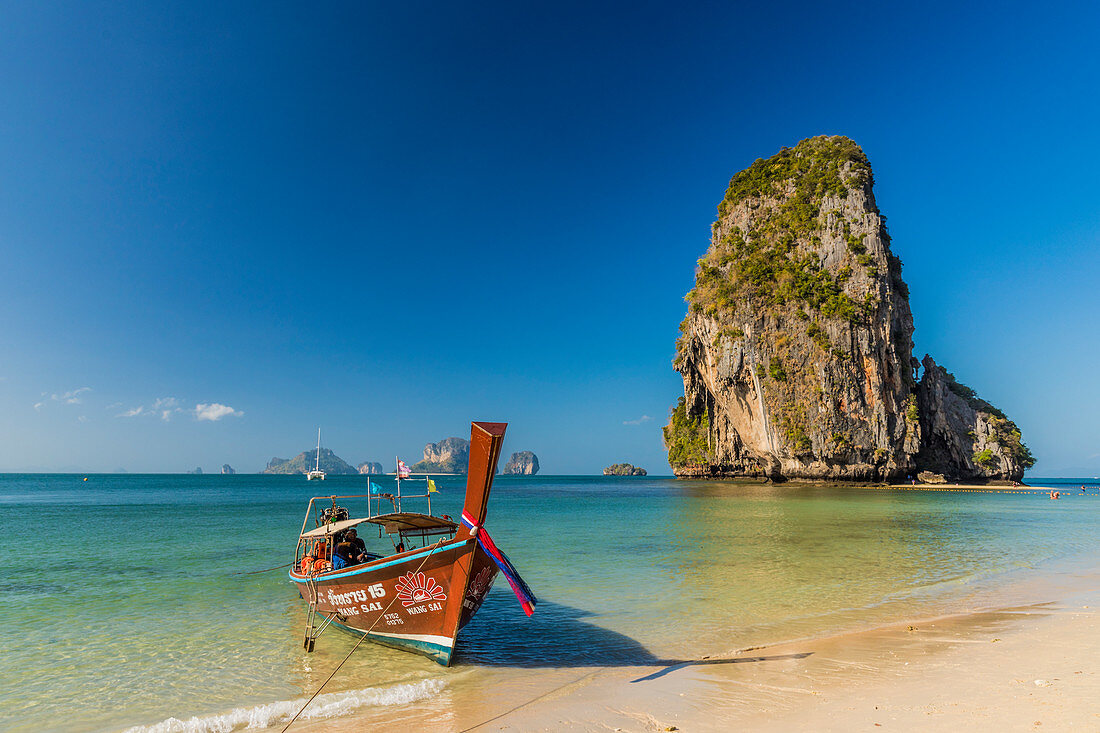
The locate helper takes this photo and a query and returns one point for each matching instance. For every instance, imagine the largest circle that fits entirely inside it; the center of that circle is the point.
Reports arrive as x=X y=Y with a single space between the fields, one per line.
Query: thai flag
x=523 y=593
x=402 y=469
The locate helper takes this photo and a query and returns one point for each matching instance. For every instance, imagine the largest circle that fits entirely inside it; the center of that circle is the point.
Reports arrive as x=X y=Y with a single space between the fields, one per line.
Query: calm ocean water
x=121 y=605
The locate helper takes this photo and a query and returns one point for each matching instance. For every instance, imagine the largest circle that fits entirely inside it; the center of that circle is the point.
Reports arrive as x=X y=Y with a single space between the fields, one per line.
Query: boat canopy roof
x=333 y=528
x=410 y=521
x=399 y=522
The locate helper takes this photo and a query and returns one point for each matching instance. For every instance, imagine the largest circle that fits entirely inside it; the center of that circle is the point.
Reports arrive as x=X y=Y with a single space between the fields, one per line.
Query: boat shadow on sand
x=556 y=636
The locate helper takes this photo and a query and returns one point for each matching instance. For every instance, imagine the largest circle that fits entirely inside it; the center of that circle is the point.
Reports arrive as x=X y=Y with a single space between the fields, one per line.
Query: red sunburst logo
x=413 y=589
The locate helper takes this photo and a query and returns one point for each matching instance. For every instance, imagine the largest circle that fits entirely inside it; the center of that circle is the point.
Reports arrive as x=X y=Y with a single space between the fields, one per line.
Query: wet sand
x=1014 y=669
x=1023 y=668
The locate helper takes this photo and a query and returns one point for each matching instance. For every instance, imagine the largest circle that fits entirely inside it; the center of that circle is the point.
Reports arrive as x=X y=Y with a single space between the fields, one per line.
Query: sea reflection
x=763 y=563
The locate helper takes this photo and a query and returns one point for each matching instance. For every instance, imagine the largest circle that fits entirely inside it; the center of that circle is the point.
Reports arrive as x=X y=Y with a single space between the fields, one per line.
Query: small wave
x=329 y=705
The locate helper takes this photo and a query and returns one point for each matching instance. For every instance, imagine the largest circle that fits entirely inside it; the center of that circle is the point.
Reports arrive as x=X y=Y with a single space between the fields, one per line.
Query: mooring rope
x=361 y=640
x=253 y=572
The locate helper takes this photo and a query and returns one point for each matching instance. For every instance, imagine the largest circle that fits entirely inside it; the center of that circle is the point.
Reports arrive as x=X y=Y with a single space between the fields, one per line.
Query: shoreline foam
x=325 y=706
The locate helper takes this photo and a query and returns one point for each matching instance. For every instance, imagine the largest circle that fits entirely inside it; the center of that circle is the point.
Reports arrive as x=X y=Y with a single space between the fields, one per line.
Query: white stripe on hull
x=443 y=641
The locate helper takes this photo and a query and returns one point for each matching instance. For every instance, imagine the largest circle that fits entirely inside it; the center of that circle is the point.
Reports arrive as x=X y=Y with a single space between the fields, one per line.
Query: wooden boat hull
x=416 y=601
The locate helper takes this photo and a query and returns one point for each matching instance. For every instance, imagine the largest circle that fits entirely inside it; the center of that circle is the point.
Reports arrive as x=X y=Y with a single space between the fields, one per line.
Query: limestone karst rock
x=623 y=469
x=370 y=467
x=305 y=461
x=796 y=352
x=227 y=469
x=523 y=463
x=450 y=455
x=964 y=436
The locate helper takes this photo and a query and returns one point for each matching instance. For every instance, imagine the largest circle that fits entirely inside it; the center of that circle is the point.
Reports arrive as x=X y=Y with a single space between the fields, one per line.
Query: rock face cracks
x=796 y=352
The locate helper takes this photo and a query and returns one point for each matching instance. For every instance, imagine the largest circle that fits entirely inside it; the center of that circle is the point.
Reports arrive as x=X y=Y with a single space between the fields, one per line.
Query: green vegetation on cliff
x=304 y=462
x=686 y=437
x=623 y=469
x=1005 y=432
x=1010 y=438
x=984 y=458
x=766 y=263
x=449 y=466
x=814 y=164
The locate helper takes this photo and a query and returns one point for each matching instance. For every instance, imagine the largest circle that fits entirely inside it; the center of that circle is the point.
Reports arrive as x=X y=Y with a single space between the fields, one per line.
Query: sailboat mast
x=317 y=466
x=398 y=464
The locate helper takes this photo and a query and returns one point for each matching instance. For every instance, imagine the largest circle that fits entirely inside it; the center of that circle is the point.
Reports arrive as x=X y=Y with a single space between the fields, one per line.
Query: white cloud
x=167 y=406
x=215 y=411
x=82 y=418
x=639 y=421
x=71 y=398
x=163 y=407
x=114 y=406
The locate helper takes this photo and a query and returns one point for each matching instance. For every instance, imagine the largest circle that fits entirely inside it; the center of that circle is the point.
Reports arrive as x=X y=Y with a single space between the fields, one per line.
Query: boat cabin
x=394 y=533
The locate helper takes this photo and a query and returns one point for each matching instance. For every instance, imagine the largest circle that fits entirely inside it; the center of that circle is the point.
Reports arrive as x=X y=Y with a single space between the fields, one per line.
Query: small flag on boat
x=402 y=469
x=431 y=487
x=523 y=593
x=374 y=488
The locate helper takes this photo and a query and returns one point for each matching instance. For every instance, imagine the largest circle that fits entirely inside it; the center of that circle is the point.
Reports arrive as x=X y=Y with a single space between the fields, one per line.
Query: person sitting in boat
x=358 y=548
x=341 y=555
x=350 y=550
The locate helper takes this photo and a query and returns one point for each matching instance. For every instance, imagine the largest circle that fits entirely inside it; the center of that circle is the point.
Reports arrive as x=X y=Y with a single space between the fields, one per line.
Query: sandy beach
x=1027 y=667
x=1013 y=669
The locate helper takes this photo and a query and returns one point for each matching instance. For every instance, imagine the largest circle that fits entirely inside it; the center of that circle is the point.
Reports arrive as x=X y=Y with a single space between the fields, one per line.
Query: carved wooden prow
x=486 y=439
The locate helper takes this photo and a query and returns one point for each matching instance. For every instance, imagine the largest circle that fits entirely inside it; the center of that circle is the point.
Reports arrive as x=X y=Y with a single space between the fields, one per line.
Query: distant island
x=450 y=455
x=523 y=463
x=369 y=468
x=304 y=462
x=623 y=469
x=796 y=351
x=227 y=470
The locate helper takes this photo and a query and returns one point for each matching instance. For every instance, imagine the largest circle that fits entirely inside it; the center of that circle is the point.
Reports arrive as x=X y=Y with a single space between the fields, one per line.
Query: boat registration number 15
x=376 y=590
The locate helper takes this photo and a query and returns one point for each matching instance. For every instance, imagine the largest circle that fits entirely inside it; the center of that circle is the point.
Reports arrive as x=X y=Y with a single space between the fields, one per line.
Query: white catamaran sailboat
x=317 y=474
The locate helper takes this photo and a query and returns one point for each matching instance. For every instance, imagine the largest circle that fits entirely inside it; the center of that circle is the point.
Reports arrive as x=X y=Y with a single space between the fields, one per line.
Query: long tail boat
x=418 y=598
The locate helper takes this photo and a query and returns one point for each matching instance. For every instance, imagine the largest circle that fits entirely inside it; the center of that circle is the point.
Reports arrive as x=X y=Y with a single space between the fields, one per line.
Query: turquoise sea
x=123 y=604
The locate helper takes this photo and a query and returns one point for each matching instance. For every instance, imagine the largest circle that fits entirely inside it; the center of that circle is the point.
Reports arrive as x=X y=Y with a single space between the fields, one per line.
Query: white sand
x=975 y=672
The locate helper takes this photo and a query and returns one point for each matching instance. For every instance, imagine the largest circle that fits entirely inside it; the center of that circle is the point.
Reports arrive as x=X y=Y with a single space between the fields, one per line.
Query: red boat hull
x=416 y=601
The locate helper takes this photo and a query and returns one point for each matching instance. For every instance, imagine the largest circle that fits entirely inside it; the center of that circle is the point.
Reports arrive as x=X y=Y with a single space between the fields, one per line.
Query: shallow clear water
x=121 y=605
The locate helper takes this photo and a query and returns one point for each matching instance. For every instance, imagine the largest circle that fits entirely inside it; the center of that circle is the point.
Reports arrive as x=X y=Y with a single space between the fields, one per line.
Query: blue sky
x=390 y=219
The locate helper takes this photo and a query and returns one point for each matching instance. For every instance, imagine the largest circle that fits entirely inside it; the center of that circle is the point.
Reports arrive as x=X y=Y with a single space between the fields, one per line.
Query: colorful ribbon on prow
x=523 y=593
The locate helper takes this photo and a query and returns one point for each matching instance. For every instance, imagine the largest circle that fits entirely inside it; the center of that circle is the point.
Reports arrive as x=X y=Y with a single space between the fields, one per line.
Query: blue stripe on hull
x=360 y=569
x=438 y=652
